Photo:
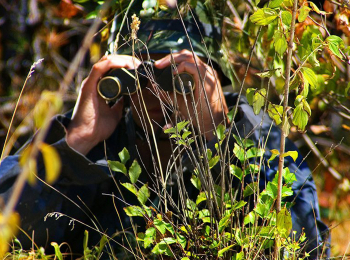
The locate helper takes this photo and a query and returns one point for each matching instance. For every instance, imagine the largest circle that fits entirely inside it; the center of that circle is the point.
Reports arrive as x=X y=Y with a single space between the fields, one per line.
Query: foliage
x=318 y=94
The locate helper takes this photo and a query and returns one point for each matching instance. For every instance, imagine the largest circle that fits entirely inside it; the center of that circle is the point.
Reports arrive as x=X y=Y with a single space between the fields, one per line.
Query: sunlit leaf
x=58 y=253
x=317 y=10
x=213 y=161
x=220 y=132
x=8 y=229
x=124 y=155
x=117 y=166
x=52 y=162
x=49 y=101
x=236 y=171
x=284 y=222
x=303 y=14
x=196 y=182
x=150 y=235
x=280 y=43
x=134 y=171
x=275 y=112
x=256 y=98
x=143 y=194
x=286 y=17
x=160 y=225
x=250 y=189
x=134 y=211
x=25 y=160
x=267 y=73
x=310 y=76
x=274 y=153
x=275 y=3
x=224 y=250
x=201 y=197
x=293 y=154
x=250 y=218
x=300 y=117
x=263 y=16
x=335 y=43
x=130 y=187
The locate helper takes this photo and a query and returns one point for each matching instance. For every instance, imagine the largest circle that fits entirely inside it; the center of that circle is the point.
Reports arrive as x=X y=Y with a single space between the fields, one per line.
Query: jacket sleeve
x=78 y=178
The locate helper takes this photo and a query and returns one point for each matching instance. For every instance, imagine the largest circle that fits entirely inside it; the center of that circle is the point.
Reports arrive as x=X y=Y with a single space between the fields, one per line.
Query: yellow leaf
x=8 y=230
x=47 y=101
x=29 y=164
x=52 y=162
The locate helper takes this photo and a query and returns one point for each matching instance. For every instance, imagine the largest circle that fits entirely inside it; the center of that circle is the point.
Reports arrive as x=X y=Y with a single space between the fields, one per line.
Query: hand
x=211 y=87
x=93 y=120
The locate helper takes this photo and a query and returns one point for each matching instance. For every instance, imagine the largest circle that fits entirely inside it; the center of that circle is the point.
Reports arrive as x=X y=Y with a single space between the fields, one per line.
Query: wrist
x=76 y=139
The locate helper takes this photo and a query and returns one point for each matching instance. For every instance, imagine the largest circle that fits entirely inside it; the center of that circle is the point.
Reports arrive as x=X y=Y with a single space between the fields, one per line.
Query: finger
x=176 y=58
x=111 y=62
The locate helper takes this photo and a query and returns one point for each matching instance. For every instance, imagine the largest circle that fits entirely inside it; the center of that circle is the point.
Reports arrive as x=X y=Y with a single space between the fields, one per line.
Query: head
x=164 y=33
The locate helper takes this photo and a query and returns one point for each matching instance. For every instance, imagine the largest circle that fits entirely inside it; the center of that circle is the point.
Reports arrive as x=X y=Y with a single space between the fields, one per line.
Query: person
x=87 y=195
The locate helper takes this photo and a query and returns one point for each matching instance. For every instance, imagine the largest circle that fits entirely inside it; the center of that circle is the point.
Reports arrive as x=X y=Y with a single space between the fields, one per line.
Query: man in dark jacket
x=87 y=195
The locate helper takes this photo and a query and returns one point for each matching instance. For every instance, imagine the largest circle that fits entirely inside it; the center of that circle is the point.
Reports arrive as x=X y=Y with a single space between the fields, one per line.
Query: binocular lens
x=186 y=80
x=109 y=88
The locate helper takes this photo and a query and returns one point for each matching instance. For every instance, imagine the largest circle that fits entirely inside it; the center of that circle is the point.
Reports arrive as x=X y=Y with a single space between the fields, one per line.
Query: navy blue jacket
x=82 y=194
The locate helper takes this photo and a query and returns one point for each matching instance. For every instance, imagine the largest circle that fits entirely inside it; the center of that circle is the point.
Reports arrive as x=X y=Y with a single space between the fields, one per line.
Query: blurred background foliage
x=53 y=30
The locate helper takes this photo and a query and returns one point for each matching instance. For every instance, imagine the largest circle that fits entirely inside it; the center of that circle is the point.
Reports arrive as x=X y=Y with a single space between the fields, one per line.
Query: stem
x=285 y=118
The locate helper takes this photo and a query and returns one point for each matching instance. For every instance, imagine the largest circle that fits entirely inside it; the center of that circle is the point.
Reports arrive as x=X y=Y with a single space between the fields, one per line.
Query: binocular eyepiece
x=119 y=82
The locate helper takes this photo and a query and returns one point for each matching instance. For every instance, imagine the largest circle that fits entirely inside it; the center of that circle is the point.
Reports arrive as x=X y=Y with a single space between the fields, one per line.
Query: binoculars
x=119 y=82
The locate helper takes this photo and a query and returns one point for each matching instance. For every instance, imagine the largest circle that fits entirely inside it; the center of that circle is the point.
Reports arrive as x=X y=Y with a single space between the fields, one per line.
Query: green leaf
x=315 y=8
x=256 y=98
x=267 y=73
x=224 y=250
x=160 y=225
x=271 y=190
x=239 y=152
x=263 y=16
x=284 y=223
x=201 y=197
x=170 y=130
x=334 y=44
x=289 y=177
x=58 y=253
x=254 y=152
x=275 y=112
x=186 y=134
x=303 y=14
x=220 y=132
x=280 y=43
x=191 y=205
x=181 y=240
x=209 y=154
x=213 y=161
x=239 y=205
x=224 y=222
x=286 y=18
x=117 y=166
x=124 y=155
x=293 y=154
x=300 y=117
x=310 y=76
x=134 y=211
x=134 y=171
x=275 y=3
x=143 y=194
x=262 y=209
x=236 y=171
x=250 y=218
x=130 y=187
x=250 y=189
x=181 y=125
x=196 y=182
x=274 y=153
x=150 y=235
